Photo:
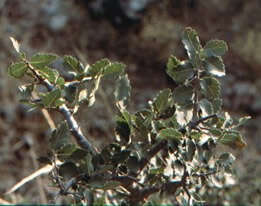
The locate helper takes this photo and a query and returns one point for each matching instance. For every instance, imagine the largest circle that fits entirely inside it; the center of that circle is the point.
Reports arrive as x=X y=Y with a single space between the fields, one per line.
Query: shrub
x=165 y=153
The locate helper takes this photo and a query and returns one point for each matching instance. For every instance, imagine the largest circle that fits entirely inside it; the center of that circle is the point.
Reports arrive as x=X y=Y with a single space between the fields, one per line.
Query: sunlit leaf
x=192 y=44
x=114 y=68
x=48 y=73
x=210 y=87
x=41 y=60
x=215 y=48
x=17 y=70
x=74 y=63
x=215 y=66
x=161 y=101
x=179 y=71
x=49 y=98
x=97 y=67
x=170 y=133
x=206 y=107
x=233 y=139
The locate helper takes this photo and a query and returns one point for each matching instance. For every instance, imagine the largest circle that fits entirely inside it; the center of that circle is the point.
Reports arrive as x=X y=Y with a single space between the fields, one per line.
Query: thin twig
x=73 y=125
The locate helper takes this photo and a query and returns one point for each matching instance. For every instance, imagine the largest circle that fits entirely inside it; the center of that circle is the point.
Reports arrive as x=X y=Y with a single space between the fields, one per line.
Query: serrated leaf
x=50 y=98
x=179 y=71
x=16 y=45
x=122 y=91
x=74 y=63
x=161 y=101
x=114 y=68
x=192 y=44
x=173 y=62
x=170 y=133
x=60 y=82
x=233 y=139
x=215 y=66
x=206 y=107
x=210 y=87
x=97 y=67
x=17 y=70
x=41 y=60
x=48 y=73
x=182 y=95
x=215 y=48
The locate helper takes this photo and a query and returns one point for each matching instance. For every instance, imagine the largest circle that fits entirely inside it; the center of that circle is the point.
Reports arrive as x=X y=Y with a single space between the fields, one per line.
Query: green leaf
x=161 y=101
x=50 y=74
x=183 y=95
x=50 y=98
x=60 y=82
x=215 y=66
x=170 y=133
x=173 y=62
x=68 y=170
x=243 y=120
x=17 y=70
x=97 y=67
x=123 y=129
x=114 y=68
x=26 y=91
x=41 y=60
x=206 y=107
x=216 y=132
x=233 y=139
x=120 y=157
x=70 y=93
x=122 y=91
x=190 y=149
x=60 y=137
x=192 y=44
x=217 y=104
x=179 y=71
x=74 y=63
x=210 y=87
x=215 y=48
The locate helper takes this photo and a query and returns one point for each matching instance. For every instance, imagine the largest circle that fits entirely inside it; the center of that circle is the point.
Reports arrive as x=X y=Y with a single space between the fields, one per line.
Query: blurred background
x=142 y=34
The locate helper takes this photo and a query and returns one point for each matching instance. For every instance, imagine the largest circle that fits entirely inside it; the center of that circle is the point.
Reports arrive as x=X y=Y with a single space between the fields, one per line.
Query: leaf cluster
x=165 y=152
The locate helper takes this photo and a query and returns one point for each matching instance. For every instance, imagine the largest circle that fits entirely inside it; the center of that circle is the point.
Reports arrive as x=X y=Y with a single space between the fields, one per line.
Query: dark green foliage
x=165 y=153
